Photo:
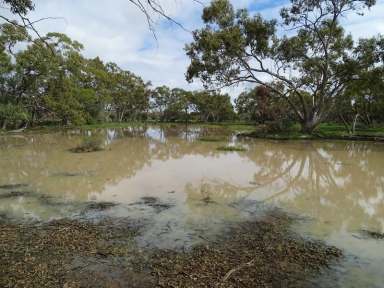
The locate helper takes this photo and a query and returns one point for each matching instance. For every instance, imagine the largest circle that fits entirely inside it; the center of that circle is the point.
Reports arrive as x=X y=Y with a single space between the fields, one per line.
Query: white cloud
x=117 y=31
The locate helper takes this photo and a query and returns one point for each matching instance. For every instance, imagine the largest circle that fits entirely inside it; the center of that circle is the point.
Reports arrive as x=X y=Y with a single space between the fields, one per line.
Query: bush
x=12 y=116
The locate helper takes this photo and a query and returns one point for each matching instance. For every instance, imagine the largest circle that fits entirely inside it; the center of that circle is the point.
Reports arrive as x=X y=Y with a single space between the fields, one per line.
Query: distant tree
x=46 y=75
x=213 y=106
x=50 y=80
x=363 y=99
x=314 y=64
x=129 y=94
x=171 y=104
x=160 y=100
x=258 y=105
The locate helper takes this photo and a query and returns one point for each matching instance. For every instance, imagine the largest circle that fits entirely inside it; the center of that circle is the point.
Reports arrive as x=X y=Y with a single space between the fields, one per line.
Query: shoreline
x=247 y=130
x=77 y=253
x=287 y=136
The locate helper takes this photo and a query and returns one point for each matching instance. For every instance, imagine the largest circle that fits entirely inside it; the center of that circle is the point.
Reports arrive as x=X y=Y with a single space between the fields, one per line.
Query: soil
x=78 y=253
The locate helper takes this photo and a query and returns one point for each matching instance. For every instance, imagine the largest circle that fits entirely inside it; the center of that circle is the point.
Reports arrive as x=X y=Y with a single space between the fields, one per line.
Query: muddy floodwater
x=186 y=190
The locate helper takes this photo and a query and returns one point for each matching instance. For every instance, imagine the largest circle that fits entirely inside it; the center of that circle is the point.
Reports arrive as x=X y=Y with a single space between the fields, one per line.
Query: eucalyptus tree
x=16 y=7
x=363 y=98
x=48 y=70
x=213 y=106
x=309 y=67
x=258 y=105
x=11 y=112
x=129 y=94
x=160 y=98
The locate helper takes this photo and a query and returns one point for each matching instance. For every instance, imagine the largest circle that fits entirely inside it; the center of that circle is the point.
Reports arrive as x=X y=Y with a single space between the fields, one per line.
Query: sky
x=117 y=31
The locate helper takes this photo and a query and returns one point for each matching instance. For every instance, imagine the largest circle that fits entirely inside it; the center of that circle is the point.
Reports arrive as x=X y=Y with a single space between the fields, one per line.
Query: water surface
x=184 y=187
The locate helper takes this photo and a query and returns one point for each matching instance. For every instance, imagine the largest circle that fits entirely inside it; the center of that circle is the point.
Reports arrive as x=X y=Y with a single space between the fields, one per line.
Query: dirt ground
x=75 y=253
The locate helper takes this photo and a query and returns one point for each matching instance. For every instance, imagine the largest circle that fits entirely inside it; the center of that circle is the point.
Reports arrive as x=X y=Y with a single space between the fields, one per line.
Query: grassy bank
x=233 y=126
x=324 y=131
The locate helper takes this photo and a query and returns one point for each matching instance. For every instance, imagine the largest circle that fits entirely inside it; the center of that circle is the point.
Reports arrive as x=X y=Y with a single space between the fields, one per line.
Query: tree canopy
x=309 y=67
x=51 y=81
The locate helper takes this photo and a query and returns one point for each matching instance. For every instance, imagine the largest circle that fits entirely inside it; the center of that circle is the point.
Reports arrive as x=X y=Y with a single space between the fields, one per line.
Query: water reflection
x=339 y=185
x=339 y=182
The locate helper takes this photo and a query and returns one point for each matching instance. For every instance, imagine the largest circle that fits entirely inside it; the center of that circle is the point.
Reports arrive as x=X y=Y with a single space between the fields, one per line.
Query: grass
x=332 y=130
x=212 y=139
x=233 y=126
x=232 y=148
x=89 y=145
x=324 y=131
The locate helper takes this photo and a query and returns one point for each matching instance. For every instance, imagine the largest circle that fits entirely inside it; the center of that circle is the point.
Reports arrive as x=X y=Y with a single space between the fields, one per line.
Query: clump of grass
x=232 y=148
x=211 y=139
x=372 y=234
x=89 y=145
x=100 y=206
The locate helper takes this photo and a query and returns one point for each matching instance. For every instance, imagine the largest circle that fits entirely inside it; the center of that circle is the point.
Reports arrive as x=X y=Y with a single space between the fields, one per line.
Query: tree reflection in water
x=338 y=183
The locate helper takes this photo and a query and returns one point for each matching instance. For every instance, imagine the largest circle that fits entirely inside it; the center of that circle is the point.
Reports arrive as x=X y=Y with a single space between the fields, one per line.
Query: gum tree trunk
x=310 y=123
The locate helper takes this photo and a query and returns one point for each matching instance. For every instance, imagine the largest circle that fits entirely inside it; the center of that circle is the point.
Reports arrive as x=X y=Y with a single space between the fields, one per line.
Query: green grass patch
x=89 y=145
x=231 y=148
x=212 y=139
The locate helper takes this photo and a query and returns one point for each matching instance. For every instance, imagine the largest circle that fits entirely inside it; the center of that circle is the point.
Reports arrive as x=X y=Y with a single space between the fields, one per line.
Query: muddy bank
x=73 y=253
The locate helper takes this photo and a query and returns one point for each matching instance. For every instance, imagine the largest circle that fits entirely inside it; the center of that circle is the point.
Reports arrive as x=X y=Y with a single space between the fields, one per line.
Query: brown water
x=337 y=186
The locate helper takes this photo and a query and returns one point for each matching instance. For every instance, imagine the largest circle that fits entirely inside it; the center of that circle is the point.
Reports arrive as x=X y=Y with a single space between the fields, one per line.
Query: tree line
x=314 y=73
x=51 y=81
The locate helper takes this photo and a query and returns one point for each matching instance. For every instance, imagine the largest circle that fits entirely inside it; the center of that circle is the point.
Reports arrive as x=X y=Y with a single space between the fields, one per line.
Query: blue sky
x=119 y=32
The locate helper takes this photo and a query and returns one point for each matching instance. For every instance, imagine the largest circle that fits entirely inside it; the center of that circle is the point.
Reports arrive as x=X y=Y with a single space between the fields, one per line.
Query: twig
x=248 y=264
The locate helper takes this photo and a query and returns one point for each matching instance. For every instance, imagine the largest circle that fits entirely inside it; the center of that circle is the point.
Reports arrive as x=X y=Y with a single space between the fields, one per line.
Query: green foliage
x=11 y=116
x=212 y=139
x=177 y=104
x=261 y=106
x=311 y=66
x=129 y=94
x=213 y=106
x=52 y=81
x=232 y=148
x=19 y=6
x=90 y=144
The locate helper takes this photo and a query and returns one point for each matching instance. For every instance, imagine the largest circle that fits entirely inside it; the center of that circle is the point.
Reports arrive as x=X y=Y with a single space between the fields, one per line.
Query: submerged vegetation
x=212 y=139
x=231 y=148
x=90 y=144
